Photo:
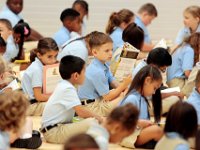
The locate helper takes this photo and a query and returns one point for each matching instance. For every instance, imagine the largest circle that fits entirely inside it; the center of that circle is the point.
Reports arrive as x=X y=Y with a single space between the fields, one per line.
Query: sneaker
x=30 y=143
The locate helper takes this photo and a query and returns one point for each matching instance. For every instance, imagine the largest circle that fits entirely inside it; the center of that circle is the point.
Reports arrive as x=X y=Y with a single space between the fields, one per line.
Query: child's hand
x=144 y=123
x=127 y=80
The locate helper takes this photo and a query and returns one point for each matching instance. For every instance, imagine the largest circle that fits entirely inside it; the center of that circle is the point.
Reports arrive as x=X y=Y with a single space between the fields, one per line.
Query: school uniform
x=116 y=37
x=4 y=140
x=184 y=33
x=182 y=60
x=33 y=78
x=6 y=13
x=139 y=66
x=139 y=23
x=97 y=79
x=58 y=113
x=61 y=36
x=172 y=141
x=194 y=99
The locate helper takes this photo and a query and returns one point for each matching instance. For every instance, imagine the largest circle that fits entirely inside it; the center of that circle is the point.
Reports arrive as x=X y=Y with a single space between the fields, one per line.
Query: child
x=120 y=123
x=45 y=54
x=71 y=22
x=5 y=29
x=146 y=14
x=117 y=22
x=2 y=46
x=145 y=84
x=95 y=93
x=194 y=97
x=82 y=7
x=183 y=60
x=13 y=107
x=198 y=140
x=59 y=111
x=181 y=123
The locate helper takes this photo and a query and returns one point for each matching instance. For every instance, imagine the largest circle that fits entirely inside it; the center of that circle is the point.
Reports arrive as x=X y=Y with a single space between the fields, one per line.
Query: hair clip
x=26 y=31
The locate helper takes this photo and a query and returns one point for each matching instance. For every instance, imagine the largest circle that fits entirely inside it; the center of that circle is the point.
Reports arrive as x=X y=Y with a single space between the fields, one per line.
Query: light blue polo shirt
x=116 y=36
x=194 y=99
x=184 y=33
x=6 y=13
x=59 y=107
x=61 y=36
x=32 y=78
x=138 y=67
x=97 y=79
x=138 y=100
x=182 y=60
x=139 y=23
x=4 y=140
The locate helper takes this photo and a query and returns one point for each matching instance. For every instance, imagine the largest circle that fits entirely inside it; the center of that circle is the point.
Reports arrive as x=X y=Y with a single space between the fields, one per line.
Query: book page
x=13 y=85
x=162 y=43
x=168 y=90
x=51 y=77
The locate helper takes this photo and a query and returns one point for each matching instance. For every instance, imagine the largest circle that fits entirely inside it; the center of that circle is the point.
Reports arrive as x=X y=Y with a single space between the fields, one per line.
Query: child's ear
x=115 y=128
x=147 y=80
x=38 y=55
x=94 y=52
x=75 y=75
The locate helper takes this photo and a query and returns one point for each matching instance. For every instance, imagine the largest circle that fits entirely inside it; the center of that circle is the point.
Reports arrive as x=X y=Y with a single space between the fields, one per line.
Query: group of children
x=108 y=111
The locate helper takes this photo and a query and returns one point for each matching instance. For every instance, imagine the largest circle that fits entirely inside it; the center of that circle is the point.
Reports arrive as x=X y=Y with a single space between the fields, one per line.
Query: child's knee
x=158 y=132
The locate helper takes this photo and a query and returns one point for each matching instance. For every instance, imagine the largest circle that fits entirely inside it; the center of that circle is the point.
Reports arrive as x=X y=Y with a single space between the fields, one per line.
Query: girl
x=45 y=54
x=118 y=21
x=145 y=84
x=181 y=123
x=2 y=45
x=120 y=123
x=183 y=60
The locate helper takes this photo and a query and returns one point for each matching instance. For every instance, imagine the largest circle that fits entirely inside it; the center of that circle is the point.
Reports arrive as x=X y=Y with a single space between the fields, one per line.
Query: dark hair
x=80 y=141
x=127 y=115
x=7 y=23
x=134 y=35
x=138 y=84
x=70 y=64
x=2 y=42
x=197 y=140
x=159 y=57
x=83 y=4
x=70 y=14
x=197 y=80
x=182 y=118
x=149 y=8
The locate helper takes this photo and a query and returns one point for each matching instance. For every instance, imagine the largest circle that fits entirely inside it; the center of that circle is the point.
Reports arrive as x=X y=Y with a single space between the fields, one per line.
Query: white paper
x=162 y=43
x=168 y=90
x=13 y=85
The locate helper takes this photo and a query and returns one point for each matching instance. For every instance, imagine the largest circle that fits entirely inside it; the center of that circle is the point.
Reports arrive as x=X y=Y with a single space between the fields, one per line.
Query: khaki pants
x=63 y=132
x=176 y=82
x=36 y=109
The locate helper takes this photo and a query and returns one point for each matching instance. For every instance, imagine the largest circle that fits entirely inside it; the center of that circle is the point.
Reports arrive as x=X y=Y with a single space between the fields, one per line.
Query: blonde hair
x=194 y=11
x=13 y=107
x=116 y=18
x=149 y=8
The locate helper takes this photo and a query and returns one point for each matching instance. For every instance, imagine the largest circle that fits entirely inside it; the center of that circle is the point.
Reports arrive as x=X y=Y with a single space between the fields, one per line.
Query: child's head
x=119 y=19
x=134 y=35
x=47 y=51
x=2 y=45
x=2 y=66
x=81 y=142
x=192 y=17
x=197 y=81
x=121 y=122
x=182 y=118
x=147 y=13
x=15 y=6
x=13 y=107
x=5 y=28
x=159 y=57
x=71 y=19
x=82 y=7
x=72 y=68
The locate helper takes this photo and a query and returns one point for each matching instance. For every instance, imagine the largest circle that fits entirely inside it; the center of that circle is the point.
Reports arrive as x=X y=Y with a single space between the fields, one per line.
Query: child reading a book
x=95 y=93
x=32 y=80
x=59 y=111
x=181 y=123
x=146 y=83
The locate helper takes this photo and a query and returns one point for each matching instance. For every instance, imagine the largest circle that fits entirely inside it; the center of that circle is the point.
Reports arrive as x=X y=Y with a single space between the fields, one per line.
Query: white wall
x=43 y=15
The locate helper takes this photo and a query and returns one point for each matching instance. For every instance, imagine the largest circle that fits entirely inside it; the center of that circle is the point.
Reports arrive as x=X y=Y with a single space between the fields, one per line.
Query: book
x=162 y=43
x=173 y=89
x=51 y=77
x=13 y=85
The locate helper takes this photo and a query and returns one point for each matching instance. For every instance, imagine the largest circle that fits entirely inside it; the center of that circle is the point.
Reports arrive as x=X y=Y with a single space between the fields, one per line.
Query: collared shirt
x=32 y=78
x=194 y=99
x=138 y=100
x=184 y=33
x=59 y=107
x=138 y=67
x=139 y=22
x=61 y=36
x=116 y=36
x=182 y=60
x=6 y=13
x=96 y=84
x=4 y=140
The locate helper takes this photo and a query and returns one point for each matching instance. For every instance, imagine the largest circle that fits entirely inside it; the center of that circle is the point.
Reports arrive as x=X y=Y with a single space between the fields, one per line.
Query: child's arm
x=114 y=84
x=39 y=96
x=179 y=94
x=144 y=123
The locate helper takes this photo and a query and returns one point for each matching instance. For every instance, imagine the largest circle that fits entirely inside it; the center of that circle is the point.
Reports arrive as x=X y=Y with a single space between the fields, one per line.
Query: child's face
x=147 y=19
x=4 y=31
x=74 y=25
x=15 y=5
x=150 y=86
x=190 y=21
x=17 y=38
x=48 y=58
x=103 y=52
x=81 y=10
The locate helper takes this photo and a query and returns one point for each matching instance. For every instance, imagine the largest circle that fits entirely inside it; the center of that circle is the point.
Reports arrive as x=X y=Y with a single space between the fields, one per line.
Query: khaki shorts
x=180 y=82
x=63 y=132
x=36 y=109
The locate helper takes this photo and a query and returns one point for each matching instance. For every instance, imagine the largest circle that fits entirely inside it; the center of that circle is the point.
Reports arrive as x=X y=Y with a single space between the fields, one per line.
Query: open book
x=168 y=90
x=162 y=43
x=51 y=77
x=13 y=85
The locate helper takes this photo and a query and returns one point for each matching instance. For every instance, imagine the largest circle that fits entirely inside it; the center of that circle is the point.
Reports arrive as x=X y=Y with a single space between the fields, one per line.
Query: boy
x=71 y=22
x=194 y=98
x=145 y=16
x=59 y=111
